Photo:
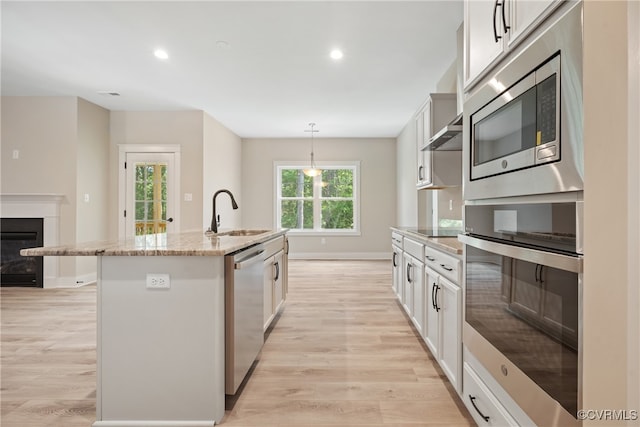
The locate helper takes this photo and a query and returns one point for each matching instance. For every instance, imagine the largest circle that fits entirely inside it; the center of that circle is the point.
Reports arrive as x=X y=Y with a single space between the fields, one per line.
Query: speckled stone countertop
x=194 y=243
x=449 y=244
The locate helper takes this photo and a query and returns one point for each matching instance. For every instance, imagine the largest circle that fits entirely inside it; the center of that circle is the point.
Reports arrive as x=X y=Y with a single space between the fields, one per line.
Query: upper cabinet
x=494 y=27
x=436 y=168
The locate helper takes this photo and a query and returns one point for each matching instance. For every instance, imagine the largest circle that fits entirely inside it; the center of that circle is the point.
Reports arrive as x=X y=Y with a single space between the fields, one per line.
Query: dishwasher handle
x=249 y=261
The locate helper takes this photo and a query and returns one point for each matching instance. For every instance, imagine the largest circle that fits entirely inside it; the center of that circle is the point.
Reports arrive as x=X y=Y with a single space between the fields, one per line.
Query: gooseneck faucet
x=215 y=220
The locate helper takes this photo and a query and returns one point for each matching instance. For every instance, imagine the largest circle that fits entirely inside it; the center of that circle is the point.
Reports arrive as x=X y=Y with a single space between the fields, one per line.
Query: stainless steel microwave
x=523 y=124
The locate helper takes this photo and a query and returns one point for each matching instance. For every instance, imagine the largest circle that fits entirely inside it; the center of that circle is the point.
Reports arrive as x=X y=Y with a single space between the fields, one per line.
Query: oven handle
x=562 y=262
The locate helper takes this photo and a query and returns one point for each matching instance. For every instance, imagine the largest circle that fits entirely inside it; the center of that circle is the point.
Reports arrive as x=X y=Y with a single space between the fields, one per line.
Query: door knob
x=169 y=219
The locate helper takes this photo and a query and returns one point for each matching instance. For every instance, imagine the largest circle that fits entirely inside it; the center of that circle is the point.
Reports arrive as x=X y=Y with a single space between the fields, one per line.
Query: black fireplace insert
x=16 y=234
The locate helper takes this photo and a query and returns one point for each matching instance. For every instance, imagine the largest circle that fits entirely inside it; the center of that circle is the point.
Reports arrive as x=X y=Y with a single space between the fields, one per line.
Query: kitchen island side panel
x=160 y=351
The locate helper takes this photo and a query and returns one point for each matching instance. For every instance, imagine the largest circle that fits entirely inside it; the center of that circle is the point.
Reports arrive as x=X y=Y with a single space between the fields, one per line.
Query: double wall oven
x=523 y=184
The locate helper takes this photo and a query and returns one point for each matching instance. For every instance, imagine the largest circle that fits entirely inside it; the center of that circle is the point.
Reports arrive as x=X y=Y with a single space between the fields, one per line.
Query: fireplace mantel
x=38 y=205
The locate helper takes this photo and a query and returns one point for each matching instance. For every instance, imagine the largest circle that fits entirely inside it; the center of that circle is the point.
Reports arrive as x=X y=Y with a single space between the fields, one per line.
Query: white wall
x=633 y=336
x=377 y=191
x=606 y=151
x=406 y=193
x=222 y=164
x=44 y=130
x=92 y=172
x=62 y=143
x=184 y=128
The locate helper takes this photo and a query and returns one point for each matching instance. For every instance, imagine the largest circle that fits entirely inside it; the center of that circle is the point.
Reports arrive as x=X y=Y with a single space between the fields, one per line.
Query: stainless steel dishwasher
x=244 y=313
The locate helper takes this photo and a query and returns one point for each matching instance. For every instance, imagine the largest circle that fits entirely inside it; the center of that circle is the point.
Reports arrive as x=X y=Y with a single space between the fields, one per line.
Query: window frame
x=317 y=199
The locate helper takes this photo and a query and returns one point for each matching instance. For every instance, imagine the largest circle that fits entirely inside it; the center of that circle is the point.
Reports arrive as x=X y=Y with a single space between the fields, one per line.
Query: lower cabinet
x=483 y=406
x=396 y=272
x=275 y=279
x=432 y=331
x=425 y=281
x=449 y=301
x=443 y=332
x=415 y=277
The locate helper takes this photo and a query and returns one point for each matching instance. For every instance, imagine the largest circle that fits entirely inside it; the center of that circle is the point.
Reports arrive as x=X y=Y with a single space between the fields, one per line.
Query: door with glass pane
x=150 y=194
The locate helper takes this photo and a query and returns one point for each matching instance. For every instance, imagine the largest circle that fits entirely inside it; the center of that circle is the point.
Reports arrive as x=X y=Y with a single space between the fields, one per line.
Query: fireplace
x=46 y=207
x=16 y=234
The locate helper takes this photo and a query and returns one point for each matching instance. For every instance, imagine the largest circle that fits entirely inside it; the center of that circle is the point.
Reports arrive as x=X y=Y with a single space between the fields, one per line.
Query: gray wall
x=63 y=150
x=377 y=191
x=92 y=175
x=407 y=195
x=222 y=164
x=608 y=338
x=184 y=128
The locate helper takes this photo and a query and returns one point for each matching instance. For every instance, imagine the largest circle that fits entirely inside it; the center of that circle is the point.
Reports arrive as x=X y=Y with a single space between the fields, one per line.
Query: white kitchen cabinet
x=443 y=332
x=436 y=168
x=493 y=27
x=432 y=331
x=268 y=292
x=278 y=279
x=274 y=278
x=449 y=301
x=414 y=291
x=413 y=270
x=407 y=292
x=488 y=403
x=525 y=14
x=417 y=286
x=483 y=406
x=397 y=262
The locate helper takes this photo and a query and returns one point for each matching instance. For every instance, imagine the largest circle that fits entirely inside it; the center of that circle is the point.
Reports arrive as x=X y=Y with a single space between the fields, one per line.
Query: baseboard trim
x=154 y=423
x=75 y=282
x=341 y=255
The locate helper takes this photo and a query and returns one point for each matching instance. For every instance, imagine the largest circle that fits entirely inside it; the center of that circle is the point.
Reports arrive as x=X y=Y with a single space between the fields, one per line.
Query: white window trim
x=355 y=164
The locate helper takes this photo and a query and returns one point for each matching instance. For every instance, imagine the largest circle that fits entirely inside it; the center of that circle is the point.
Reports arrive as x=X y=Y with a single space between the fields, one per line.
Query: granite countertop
x=446 y=240
x=193 y=243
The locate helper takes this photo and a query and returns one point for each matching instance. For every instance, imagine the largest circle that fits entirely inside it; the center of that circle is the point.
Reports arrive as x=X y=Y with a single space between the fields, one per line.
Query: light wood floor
x=342 y=353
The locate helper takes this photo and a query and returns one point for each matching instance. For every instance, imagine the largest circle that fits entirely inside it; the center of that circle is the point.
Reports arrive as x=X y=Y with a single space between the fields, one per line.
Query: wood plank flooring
x=341 y=353
x=48 y=357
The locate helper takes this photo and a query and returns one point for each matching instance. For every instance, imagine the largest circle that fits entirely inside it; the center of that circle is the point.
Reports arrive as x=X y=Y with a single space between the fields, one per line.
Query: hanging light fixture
x=312 y=170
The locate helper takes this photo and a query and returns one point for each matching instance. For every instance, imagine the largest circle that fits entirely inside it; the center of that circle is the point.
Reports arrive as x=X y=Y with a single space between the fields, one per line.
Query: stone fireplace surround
x=46 y=206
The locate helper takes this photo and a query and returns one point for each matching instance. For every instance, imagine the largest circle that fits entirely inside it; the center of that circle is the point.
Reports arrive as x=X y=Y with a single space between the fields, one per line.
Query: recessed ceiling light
x=161 y=54
x=336 y=54
x=223 y=44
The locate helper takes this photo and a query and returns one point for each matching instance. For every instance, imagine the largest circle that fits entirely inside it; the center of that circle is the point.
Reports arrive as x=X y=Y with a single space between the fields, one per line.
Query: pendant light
x=312 y=170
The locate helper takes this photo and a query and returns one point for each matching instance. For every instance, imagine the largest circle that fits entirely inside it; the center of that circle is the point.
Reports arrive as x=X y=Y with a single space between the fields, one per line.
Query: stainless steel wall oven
x=523 y=278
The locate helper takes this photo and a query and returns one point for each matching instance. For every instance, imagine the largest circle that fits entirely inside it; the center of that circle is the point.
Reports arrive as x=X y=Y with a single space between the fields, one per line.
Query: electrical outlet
x=158 y=281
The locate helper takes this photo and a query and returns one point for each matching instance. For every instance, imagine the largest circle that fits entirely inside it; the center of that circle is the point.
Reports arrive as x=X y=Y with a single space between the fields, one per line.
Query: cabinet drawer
x=483 y=406
x=442 y=263
x=414 y=248
x=396 y=239
x=271 y=247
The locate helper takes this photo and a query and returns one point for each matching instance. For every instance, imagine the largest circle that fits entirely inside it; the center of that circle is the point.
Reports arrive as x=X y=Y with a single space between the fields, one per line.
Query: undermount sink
x=240 y=232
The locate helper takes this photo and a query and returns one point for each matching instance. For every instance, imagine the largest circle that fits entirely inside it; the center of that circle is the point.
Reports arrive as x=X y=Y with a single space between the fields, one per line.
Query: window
x=327 y=203
x=151 y=198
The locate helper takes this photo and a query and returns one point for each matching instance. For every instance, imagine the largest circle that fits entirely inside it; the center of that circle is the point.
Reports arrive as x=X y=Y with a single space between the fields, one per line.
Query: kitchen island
x=161 y=325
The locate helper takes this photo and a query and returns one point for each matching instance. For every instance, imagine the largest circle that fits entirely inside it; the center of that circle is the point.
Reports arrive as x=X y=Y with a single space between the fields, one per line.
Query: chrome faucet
x=215 y=219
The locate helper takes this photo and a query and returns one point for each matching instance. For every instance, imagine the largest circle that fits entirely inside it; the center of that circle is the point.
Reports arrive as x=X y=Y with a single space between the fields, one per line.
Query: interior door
x=151 y=194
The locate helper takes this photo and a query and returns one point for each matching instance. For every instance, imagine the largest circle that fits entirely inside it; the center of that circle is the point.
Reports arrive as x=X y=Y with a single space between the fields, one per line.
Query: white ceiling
x=275 y=77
